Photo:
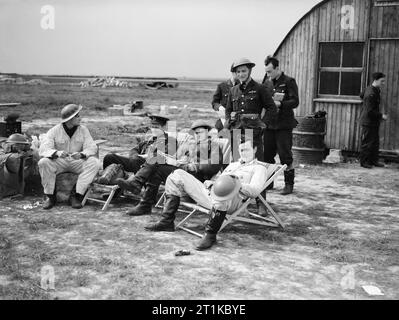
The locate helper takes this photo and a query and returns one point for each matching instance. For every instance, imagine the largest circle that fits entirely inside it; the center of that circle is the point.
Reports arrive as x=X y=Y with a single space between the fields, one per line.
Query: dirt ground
x=341 y=226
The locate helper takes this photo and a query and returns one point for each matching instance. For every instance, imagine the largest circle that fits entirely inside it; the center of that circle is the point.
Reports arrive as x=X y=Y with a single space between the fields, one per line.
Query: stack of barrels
x=308 y=140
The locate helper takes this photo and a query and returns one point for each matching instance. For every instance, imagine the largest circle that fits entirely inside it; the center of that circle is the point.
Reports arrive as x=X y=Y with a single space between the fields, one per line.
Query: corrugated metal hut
x=332 y=51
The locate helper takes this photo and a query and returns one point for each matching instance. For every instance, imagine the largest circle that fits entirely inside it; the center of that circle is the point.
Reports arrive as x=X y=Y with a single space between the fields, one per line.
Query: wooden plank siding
x=378 y=28
x=297 y=59
x=330 y=18
x=384 y=57
x=343 y=130
x=385 y=22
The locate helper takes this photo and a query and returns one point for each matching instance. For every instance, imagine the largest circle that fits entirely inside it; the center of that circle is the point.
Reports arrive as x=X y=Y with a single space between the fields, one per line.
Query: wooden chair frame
x=273 y=221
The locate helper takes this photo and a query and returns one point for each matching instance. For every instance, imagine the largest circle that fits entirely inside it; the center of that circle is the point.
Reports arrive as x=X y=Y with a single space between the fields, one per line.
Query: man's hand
x=384 y=117
x=263 y=113
x=277 y=103
x=76 y=156
x=222 y=112
x=62 y=154
x=26 y=153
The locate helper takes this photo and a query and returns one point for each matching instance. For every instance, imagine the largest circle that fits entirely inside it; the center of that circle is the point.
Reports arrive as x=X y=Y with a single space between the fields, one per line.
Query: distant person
x=278 y=138
x=220 y=96
x=370 y=120
x=250 y=107
x=68 y=147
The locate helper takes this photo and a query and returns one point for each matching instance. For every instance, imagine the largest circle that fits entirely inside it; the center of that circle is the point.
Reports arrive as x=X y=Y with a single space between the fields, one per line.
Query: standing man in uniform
x=248 y=103
x=219 y=100
x=278 y=138
x=370 y=120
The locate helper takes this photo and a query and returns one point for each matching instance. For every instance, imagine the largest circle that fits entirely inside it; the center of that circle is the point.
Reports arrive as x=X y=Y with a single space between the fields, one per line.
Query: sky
x=157 y=38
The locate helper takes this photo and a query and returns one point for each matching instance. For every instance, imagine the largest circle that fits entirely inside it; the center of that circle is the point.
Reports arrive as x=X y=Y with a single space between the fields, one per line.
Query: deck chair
x=273 y=221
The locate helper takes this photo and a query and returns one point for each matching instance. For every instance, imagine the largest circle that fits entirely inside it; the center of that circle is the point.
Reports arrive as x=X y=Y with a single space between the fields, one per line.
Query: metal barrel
x=308 y=140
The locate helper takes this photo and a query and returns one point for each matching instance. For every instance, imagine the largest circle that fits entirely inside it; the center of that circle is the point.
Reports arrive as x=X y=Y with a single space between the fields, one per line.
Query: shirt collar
x=247 y=163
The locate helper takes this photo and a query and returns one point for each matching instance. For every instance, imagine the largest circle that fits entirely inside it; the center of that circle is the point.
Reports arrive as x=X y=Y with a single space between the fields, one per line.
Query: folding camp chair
x=272 y=221
x=111 y=189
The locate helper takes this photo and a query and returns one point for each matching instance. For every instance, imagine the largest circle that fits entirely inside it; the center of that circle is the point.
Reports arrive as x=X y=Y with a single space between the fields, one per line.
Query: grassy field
x=341 y=226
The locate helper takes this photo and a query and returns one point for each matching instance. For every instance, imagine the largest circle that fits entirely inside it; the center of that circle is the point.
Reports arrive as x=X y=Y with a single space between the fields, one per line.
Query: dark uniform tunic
x=278 y=137
x=134 y=162
x=370 y=119
x=244 y=107
x=220 y=99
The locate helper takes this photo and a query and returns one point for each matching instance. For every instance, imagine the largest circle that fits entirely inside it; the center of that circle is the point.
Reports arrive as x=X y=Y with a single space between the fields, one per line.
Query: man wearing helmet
x=248 y=104
x=219 y=100
x=68 y=147
x=239 y=181
x=16 y=164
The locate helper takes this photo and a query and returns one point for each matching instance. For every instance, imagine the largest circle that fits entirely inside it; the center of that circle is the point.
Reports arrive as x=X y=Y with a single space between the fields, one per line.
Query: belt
x=250 y=116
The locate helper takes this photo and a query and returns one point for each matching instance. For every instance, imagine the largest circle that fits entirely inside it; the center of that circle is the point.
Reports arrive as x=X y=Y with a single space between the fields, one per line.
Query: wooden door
x=384 y=57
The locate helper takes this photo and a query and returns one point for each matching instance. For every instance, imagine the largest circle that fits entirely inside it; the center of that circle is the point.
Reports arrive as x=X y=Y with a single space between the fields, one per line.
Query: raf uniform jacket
x=371 y=115
x=221 y=94
x=250 y=99
x=286 y=85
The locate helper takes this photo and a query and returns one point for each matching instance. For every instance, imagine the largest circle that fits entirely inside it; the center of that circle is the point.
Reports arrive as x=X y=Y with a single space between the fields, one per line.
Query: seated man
x=15 y=152
x=68 y=147
x=239 y=181
x=155 y=138
x=202 y=158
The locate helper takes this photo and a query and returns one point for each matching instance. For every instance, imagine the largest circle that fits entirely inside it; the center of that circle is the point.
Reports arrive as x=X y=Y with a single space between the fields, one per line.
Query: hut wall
x=377 y=26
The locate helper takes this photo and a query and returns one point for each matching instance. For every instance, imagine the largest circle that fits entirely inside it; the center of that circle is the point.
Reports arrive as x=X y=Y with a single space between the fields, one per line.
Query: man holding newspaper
x=201 y=157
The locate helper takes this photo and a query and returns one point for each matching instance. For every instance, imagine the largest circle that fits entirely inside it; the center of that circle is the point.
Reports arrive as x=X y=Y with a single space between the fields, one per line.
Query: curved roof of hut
x=299 y=21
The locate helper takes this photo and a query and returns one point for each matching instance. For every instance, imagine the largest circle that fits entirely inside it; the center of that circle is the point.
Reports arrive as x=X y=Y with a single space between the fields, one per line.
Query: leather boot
x=50 y=201
x=146 y=202
x=289 y=181
x=131 y=184
x=168 y=215
x=110 y=173
x=76 y=199
x=211 y=229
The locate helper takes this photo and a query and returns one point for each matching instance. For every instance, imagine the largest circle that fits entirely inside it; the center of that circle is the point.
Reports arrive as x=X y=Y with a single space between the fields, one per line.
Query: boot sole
x=137 y=215
x=203 y=249
x=158 y=230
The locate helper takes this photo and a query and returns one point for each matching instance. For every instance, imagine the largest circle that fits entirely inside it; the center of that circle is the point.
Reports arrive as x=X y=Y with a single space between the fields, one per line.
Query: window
x=341 y=68
x=382 y=3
